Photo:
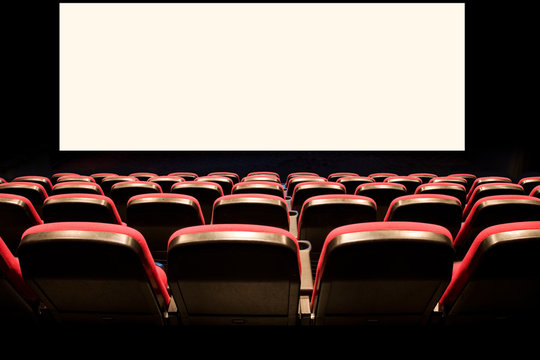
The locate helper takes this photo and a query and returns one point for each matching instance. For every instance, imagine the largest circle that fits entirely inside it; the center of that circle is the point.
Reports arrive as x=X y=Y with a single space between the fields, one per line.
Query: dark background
x=500 y=110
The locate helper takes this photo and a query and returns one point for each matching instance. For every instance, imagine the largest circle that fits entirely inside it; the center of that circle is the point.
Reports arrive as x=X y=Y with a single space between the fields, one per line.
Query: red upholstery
x=168 y=196
x=337 y=196
x=463 y=270
x=152 y=270
x=371 y=226
x=91 y=196
x=9 y=266
x=75 y=183
x=33 y=212
x=238 y=228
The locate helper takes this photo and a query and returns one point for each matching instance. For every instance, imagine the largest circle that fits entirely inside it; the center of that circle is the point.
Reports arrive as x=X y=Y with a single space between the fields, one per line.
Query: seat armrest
x=293 y=222
x=306 y=280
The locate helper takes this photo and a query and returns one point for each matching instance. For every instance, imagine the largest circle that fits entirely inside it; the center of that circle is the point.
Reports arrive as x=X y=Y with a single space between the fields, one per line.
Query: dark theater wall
x=500 y=111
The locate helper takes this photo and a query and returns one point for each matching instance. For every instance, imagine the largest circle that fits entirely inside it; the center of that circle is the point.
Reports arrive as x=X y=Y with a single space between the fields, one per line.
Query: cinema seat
x=271 y=173
x=143 y=175
x=205 y=192
x=494 y=210
x=87 y=272
x=300 y=173
x=80 y=187
x=382 y=273
x=305 y=190
x=338 y=175
x=56 y=176
x=256 y=209
x=157 y=216
x=109 y=181
x=231 y=175
x=67 y=178
x=352 y=182
x=121 y=193
x=266 y=178
x=383 y=193
x=16 y=215
x=32 y=191
x=410 y=182
x=186 y=175
x=436 y=209
x=491 y=189
x=42 y=180
x=486 y=180
x=470 y=178
x=424 y=176
x=535 y=192
x=99 y=176
x=459 y=191
x=498 y=281
x=450 y=179
x=529 y=183
x=295 y=180
x=380 y=176
x=259 y=187
x=226 y=183
x=18 y=302
x=80 y=207
x=165 y=182
x=323 y=213
x=235 y=274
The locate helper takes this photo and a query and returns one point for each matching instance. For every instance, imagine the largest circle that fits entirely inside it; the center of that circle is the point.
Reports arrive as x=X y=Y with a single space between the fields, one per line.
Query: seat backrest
x=410 y=182
x=338 y=175
x=186 y=175
x=17 y=300
x=445 y=188
x=352 y=182
x=166 y=182
x=228 y=174
x=56 y=176
x=157 y=216
x=380 y=176
x=470 y=178
x=94 y=272
x=499 y=278
x=305 y=190
x=529 y=183
x=79 y=187
x=259 y=187
x=382 y=272
x=143 y=175
x=99 y=176
x=67 y=178
x=296 y=180
x=32 y=191
x=42 y=180
x=225 y=182
x=436 y=209
x=80 y=207
x=205 y=192
x=108 y=181
x=535 y=192
x=261 y=177
x=323 y=213
x=491 y=189
x=16 y=215
x=494 y=210
x=424 y=176
x=121 y=193
x=234 y=274
x=256 y=209
x=383 y=193
x=486 y=180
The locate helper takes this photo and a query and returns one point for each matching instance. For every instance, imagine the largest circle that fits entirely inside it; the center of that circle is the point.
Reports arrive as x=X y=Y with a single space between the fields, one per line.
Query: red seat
x=235 y=274
x=499 y=278
x=16 y=215
x=80 y=187
x=94 y=272
x=383 y=193
x=381 y=272
x=30 y=190
x=256 y=209
x=436 y=209
x=494 y=210
x=80 y=207
x=18 y=302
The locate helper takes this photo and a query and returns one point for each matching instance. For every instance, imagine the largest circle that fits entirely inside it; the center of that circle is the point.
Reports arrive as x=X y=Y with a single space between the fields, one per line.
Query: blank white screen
x=262 y=76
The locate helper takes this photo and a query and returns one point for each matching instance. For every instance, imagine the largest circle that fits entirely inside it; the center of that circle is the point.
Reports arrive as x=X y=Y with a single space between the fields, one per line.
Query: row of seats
x=226 y=274
x=155 y=216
